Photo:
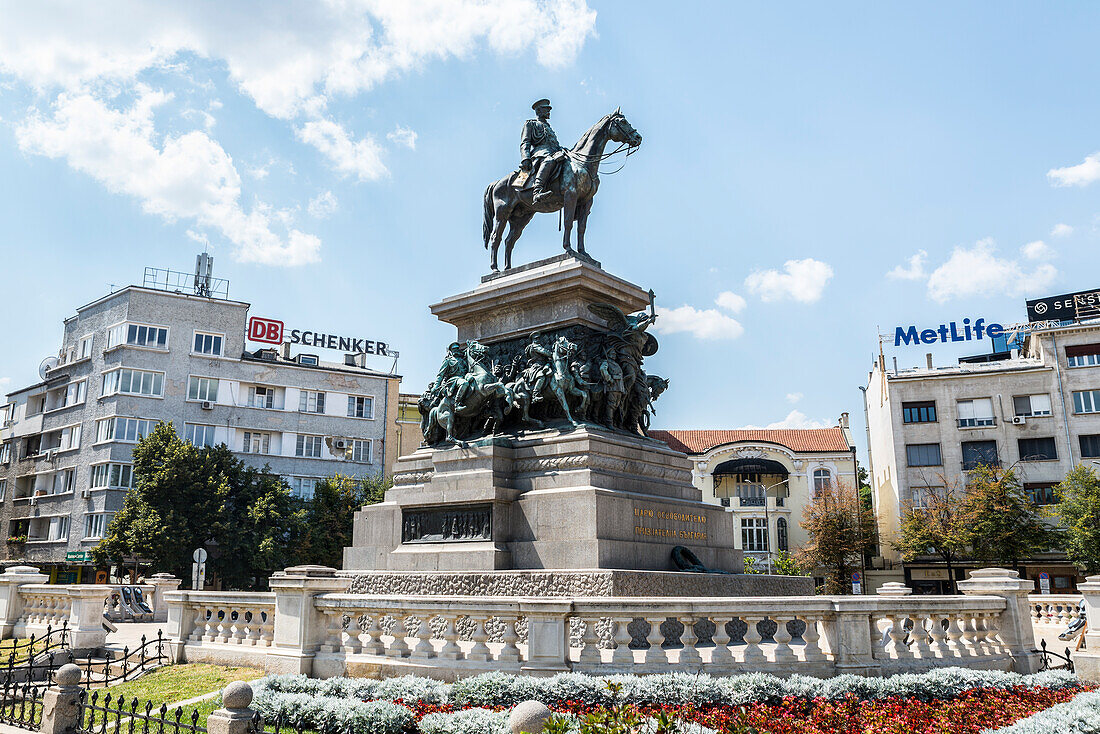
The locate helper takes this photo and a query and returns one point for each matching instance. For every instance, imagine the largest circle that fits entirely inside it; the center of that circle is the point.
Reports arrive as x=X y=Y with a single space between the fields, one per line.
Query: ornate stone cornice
x=412 y=477
x=601 y=463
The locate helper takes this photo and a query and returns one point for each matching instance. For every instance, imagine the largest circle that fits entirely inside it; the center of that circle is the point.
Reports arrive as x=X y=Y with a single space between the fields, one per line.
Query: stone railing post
x=181 y=620
x=300 y=627
x=11 y=602
x=849 y=635
x=86 y=630
x=162 y=584
x=547 y=635
x=1086 y=663
x=235 y=716
x=61 y=702
x=1016 y=627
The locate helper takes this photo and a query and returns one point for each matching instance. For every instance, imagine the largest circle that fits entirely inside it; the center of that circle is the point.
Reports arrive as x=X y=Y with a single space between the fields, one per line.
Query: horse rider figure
x=452 y=375
x=539 y=150
x=539 y=369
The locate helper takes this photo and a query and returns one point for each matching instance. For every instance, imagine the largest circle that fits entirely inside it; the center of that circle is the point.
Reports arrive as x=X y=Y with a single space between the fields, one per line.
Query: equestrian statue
x=550 y=178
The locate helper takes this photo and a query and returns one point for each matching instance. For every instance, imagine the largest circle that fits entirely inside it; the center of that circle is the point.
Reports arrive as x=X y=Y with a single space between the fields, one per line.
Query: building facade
x=1035 y=409
x=766 y=477
x=140 y=356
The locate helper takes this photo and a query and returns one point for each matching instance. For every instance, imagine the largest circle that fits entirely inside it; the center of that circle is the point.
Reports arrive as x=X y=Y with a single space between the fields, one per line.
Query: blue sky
x=810 y=172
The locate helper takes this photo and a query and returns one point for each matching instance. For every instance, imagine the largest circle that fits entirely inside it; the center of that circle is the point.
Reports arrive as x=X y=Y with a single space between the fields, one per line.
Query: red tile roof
x=796 y=439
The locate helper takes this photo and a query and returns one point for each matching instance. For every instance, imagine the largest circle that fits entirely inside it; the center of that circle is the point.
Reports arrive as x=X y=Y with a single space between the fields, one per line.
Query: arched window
x=781 y=534
x=823 y=480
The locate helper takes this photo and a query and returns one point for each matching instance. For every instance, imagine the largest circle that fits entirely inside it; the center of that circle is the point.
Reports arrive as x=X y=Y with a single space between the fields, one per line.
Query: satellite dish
x=47 y=364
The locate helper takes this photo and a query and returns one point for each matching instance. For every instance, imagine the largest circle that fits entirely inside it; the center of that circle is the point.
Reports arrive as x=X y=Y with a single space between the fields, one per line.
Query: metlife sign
x=947 y=333
x=1064 y=308
x=272 y=331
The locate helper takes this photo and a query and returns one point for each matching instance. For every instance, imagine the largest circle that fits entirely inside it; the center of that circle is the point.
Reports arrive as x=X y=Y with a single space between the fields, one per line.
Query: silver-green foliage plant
x=1081 y=715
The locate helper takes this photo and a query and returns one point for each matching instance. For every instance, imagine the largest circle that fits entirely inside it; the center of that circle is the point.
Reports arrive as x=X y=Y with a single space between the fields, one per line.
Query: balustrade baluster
x=954 y=635
x=252 y=620
x=969 y=634
x=424 y=649
x=353 y=643
x=782 y=636
x=267 y=627
x=198 y=624
x=994 y=635
x=896 y=646
x=223 y=624
x=811 y=651
x=210 y=624
x=918 y=640
x=450 y=649
x=689 y=653
x=398 y=648
x=721 y=654
x=509 y=652
x=373 y=644
x=622 y=654
x=754 y=654
x=590 y=642
x=938 y=648
x=480 y=651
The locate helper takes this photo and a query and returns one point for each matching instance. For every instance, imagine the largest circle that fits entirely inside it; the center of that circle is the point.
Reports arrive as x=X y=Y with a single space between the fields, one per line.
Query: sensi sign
x=270 y=331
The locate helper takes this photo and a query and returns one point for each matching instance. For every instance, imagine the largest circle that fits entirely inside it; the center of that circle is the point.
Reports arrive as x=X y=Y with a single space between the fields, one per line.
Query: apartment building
x=766 y=477
x=142 y=355
x=1035 y=408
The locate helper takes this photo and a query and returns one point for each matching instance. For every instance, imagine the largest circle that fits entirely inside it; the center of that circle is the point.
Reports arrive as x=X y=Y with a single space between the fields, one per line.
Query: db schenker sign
x=272 y=331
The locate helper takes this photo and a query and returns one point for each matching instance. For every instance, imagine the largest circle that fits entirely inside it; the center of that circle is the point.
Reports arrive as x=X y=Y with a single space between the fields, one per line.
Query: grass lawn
x=180 y=682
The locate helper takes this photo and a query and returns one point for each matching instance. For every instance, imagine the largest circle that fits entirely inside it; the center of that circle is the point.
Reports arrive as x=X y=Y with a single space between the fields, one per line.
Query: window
x=95 y=524
x=74 y=394
x=1041 y=493
x=923 y=411
x=59 y=528
x=360 y=407
x=361 y=451
x=1090 y=446
x=1083 y=355
x=1038 y=449
x=823 y=480
x=84 y=349
x=311 y=402
x=261 y=397
x=923 y=454
x=976 y=413
x=1086 y=401
x=750 y=490
x=67 y=438
x=134 y=382
x=979 y=453
x=202 y=388
x=138 y=335
x=63 y=481
x=920 y=497
x=310 y=359
x=198 y=434
x=113 y=476
x=257 y=443
x=5 y=453
x=781 y=534
x=1031 y=405
x=754 y=534
x=208 y=344
x=125 y=430
x=309 y=446
x=303 y=487
x=3 y=489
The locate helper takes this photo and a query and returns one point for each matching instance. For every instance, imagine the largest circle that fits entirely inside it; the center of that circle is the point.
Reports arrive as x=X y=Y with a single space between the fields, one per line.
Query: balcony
x=977 y=422
x=750 y=501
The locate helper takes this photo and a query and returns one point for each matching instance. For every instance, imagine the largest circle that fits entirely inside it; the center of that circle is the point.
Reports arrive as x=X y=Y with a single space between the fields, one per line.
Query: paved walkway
x=129 y=634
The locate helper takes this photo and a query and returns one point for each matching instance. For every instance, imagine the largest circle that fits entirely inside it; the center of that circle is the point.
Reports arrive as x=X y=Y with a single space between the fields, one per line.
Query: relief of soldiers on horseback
x=574 y=377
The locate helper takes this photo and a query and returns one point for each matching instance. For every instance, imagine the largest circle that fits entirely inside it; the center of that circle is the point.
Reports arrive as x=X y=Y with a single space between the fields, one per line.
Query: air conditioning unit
x=1018 y=420
x=85 y=493
x=207 y=404
x=340 y=443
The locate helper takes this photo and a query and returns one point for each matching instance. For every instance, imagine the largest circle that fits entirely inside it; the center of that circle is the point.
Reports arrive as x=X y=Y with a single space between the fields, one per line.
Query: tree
x=1079 y=510
x=1006 y=526
x=841 y=529
x=787 y=565
x=189 y=497
x=331 y=512
x=940 y=526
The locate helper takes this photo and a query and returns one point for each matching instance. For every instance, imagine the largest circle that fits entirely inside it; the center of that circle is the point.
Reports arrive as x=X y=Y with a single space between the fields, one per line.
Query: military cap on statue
x=541 y=103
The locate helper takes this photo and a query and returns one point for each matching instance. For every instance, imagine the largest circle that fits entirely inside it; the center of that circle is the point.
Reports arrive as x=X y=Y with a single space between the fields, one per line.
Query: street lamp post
x=768 y=523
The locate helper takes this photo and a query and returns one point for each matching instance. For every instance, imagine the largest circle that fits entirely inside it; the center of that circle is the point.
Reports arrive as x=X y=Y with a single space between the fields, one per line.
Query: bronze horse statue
x=572 y=190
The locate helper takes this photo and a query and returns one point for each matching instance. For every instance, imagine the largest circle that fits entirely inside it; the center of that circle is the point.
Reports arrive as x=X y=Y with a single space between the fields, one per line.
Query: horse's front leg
x=569 y=212
x=516 y=223
x=499 y=220
x=583 y=208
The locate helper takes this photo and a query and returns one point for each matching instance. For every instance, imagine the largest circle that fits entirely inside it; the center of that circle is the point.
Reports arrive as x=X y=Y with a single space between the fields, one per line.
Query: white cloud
x=913 y=271
x=188 y=176
x=1082 y=174
x=1061 y=230
x=706 y=324
x=361 y=158
x=323 y=205
x=730 y=301
x=403 y=136
x=977 y=271
x=801 y=280
x=794 y=419
x=793 y=397
x=1037 y=250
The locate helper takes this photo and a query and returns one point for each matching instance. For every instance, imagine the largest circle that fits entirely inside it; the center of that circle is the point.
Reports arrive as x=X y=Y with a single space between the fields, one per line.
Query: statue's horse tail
x=487 y=227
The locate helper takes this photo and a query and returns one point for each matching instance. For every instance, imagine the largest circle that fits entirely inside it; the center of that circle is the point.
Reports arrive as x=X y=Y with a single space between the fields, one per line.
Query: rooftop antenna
x=204 y=269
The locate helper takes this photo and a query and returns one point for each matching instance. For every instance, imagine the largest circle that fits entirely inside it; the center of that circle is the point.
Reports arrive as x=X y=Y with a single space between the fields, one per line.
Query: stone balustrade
x=44 y=605
x=227 y=627
x=1057 y=610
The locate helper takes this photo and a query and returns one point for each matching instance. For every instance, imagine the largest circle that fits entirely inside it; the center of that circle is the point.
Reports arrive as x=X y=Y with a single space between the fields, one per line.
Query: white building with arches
x=766 y=477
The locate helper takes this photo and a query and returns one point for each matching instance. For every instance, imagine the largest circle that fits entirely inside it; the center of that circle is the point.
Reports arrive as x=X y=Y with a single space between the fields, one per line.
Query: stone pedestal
x=565 y=497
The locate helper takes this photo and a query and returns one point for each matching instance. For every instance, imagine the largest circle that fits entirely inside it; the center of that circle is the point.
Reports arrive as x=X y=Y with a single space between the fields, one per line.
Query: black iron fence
x=36 y=645
x=1050 y=660
x=146 y=656
x=21 y=704
x=120 y=715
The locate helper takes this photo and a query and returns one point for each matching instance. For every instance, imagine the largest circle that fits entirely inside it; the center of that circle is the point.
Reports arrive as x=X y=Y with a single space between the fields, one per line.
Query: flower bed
x=940 y=702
